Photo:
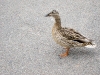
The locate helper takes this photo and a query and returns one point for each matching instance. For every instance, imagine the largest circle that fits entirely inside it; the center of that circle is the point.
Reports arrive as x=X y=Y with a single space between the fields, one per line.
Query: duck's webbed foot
x=65 y=54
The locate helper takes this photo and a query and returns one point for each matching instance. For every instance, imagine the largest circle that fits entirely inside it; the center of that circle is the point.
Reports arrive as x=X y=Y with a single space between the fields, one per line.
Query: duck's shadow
x=81 y=52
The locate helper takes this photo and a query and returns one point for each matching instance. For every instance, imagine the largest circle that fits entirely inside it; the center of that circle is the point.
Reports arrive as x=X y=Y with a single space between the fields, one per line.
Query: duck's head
x=54 y=14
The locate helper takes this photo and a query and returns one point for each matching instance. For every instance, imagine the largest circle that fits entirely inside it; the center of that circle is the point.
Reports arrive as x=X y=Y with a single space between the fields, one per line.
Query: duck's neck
x=58 y=22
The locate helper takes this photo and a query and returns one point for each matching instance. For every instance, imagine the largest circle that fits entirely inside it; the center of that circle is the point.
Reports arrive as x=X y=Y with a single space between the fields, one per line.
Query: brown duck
x=67 y=37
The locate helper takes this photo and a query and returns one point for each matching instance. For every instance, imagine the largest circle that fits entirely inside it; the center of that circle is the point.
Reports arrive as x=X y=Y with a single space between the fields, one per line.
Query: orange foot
x=65 y=54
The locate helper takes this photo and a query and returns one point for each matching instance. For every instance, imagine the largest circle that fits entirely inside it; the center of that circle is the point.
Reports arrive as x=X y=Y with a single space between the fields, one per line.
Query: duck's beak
x=47 y=15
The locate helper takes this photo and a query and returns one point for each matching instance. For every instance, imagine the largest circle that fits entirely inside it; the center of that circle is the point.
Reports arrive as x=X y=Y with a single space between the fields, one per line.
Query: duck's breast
x=58 y=38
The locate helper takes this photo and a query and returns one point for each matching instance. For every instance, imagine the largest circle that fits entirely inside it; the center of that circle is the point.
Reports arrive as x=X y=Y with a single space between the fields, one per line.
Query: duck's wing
x=71 y=34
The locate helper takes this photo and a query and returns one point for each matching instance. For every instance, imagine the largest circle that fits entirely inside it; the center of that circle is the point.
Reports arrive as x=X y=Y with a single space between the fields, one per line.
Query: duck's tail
x=91 y=45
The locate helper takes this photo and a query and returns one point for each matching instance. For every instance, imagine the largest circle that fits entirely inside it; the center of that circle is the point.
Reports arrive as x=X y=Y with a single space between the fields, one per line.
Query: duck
x=67 y=37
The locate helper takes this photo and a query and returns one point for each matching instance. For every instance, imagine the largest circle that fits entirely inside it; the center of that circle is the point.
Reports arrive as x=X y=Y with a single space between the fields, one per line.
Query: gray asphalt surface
x=26 y=44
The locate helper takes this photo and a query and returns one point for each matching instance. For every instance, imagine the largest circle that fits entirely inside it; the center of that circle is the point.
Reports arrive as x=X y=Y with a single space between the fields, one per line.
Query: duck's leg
x=66 y=53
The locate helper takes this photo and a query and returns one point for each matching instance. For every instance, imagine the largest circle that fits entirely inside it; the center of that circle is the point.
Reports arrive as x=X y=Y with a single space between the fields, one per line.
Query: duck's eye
x=53 y=12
